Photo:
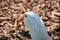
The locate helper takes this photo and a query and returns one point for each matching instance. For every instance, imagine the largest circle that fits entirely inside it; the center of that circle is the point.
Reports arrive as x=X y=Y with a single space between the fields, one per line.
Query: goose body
x=36 y=26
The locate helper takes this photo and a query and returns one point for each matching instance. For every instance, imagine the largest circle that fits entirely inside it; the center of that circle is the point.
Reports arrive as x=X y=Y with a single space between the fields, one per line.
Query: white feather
x=36 y=26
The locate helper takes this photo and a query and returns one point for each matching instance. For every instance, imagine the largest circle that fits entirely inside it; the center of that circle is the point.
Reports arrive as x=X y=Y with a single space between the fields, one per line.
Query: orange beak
x=21 y=18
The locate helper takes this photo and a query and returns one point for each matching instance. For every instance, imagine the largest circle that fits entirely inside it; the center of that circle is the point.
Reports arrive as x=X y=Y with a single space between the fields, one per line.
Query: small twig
x=5 y=18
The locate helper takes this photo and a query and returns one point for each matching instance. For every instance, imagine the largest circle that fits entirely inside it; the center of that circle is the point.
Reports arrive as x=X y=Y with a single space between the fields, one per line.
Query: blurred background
x=10 y=11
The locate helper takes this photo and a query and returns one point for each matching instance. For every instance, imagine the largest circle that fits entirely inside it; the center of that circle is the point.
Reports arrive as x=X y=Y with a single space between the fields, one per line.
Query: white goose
x=35 y=25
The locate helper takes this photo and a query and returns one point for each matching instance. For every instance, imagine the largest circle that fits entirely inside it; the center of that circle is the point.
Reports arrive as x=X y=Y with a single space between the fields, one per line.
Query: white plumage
x=36 y=26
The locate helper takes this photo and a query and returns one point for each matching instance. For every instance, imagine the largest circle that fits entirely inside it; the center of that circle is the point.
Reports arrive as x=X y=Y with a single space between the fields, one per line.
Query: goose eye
x=25 y=15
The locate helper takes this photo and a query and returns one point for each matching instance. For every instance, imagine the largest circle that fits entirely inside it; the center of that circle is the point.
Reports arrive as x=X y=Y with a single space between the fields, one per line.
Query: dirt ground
x=10 y=11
